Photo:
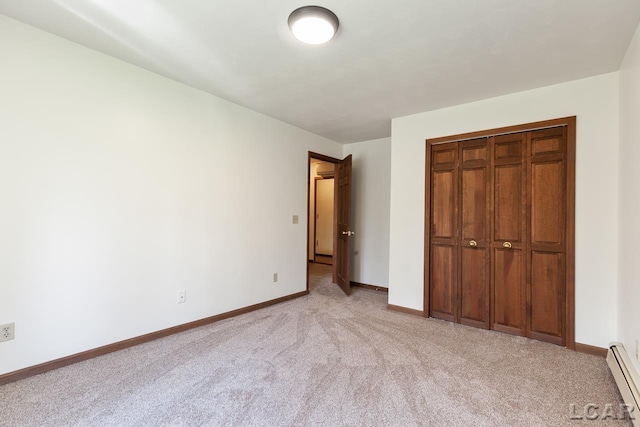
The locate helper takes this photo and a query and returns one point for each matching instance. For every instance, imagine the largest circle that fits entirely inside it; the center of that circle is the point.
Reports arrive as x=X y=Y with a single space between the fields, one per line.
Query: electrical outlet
x=7 y=332
x=275 y=277
x=182 y=297
x=295 y=219
x=637 y=349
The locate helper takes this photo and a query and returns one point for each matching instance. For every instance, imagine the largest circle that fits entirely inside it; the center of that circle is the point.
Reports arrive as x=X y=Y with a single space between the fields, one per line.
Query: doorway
x=328 y=216
x=321 y=213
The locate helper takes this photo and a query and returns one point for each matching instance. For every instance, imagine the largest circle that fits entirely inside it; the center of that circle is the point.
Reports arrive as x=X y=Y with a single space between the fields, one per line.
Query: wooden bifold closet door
x=460 y=233
x=497 y=233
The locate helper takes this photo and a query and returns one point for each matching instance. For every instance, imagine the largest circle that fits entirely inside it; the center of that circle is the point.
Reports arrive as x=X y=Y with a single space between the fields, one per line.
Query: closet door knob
x=507 y=245
x=473 y=243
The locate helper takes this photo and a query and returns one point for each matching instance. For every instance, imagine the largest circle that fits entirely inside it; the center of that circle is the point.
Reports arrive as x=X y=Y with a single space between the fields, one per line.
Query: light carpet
x=323 y=359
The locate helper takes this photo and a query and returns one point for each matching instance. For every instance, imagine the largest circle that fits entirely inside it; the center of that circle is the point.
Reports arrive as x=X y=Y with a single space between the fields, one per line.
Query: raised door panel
x=443 y=280
x=445 y=156
x=547 y=297
x=507 y=221
x=443 y=215
x=473 y=204
x=474 y=151
x=508 y=147
x=548 y=141
x=547 y=207
x=507 y=303
x=474 y=287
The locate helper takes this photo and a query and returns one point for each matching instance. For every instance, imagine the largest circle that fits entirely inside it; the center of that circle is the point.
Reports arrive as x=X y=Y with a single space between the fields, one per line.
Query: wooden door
x=508 y=234
x=474 y=225
x=343 y=232
x=547 y=218
x=444 y=232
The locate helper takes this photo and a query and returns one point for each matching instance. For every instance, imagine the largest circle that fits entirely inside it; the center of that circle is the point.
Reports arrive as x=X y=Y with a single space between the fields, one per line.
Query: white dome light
x=313 y=24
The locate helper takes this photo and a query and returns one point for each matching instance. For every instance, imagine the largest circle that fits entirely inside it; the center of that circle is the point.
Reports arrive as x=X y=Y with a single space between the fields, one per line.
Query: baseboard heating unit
x=623 y=372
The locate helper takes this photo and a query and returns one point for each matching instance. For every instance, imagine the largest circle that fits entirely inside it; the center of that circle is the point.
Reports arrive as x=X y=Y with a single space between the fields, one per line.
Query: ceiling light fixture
x=313 y=24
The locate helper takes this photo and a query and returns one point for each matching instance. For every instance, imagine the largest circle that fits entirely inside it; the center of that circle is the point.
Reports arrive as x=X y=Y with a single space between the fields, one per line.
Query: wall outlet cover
x=275 y=277
x=7 y=332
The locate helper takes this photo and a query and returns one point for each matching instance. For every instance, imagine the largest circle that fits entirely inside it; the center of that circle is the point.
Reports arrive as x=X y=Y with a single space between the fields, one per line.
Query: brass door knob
x=473 y=243
x=507 y=245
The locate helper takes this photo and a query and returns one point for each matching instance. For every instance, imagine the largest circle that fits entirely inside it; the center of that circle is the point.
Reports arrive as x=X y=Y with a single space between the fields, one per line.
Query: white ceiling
x=389 y=59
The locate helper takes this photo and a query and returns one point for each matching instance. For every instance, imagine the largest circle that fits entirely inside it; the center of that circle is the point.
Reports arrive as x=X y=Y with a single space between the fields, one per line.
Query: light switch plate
x=295 y=219
x=182 y=297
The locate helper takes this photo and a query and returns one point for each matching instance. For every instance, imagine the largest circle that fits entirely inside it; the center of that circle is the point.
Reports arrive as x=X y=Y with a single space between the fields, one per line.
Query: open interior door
x=343 y=219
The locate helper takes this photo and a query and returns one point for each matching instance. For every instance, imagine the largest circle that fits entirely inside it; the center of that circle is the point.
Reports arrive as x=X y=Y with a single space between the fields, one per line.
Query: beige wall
x=370 y=210
x=125 y=187
x=629 y=295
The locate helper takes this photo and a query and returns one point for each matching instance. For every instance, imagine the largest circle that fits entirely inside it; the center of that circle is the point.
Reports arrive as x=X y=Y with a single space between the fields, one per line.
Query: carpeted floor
x=324 y=359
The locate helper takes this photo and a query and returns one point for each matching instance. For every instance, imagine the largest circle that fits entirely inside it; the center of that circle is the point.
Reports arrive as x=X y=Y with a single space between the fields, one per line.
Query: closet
x=499 y=230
